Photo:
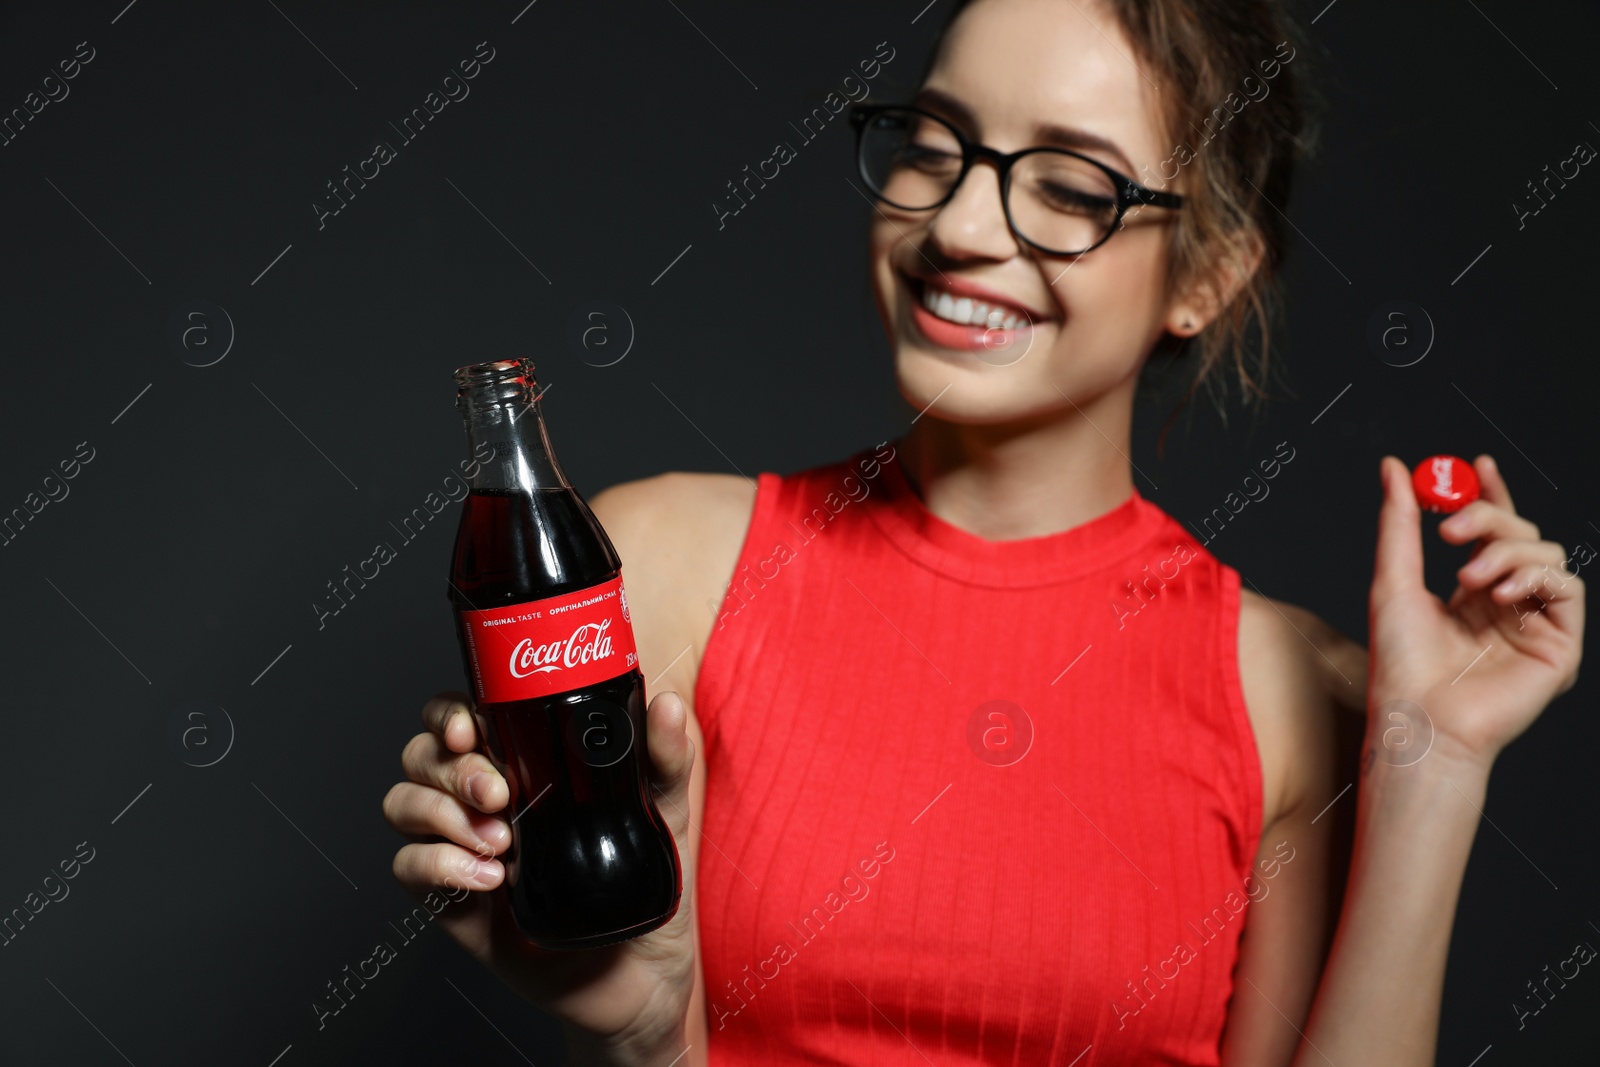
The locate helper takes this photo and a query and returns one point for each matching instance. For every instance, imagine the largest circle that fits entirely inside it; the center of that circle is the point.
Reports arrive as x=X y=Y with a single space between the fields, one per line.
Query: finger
x=423 y=811
x=449 y=715
x=1539 y=580
x=423 y=867
x=671 y=757
x=1399 y=560
x=469 y=777
x=1500 y=558
x=1486 y=520
x=1493 y=485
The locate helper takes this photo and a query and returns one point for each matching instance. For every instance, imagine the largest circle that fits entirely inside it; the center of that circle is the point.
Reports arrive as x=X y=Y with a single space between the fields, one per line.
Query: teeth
x=968 y=312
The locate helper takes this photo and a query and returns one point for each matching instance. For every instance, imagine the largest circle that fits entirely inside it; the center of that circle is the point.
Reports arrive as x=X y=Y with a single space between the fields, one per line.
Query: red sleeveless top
x=970 y=801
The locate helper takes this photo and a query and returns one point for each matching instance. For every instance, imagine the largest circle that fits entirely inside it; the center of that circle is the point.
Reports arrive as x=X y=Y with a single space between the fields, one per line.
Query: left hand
x=1516 y=618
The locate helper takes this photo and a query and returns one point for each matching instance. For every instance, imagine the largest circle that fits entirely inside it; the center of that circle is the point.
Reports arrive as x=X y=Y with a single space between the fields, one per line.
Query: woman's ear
x=1196 y=304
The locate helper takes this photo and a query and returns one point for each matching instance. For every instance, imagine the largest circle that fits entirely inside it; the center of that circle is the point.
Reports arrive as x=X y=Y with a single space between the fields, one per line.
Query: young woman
x=984 y=759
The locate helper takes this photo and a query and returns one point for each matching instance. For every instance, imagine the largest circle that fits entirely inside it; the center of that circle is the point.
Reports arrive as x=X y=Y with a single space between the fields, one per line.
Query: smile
x=954 y=313
x=968 y=312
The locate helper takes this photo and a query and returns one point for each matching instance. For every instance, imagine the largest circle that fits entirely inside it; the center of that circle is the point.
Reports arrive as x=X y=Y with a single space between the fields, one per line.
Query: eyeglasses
x=1056 y=200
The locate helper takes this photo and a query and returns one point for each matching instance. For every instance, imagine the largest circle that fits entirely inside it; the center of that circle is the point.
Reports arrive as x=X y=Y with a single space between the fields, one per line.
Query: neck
x=1024 y=479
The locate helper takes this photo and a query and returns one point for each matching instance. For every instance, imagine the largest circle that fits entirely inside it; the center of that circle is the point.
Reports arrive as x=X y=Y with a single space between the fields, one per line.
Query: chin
x=962 y=389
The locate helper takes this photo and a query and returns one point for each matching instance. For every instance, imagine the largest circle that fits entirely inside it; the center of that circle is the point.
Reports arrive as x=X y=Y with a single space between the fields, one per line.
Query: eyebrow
x=1055 y=134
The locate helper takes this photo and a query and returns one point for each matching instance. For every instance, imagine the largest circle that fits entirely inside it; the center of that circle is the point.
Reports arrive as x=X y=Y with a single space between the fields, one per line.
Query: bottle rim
x=495 y=382
x=495 y=370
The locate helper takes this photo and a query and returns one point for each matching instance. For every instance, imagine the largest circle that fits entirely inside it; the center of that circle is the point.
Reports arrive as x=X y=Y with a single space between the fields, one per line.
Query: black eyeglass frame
x=1129 y=192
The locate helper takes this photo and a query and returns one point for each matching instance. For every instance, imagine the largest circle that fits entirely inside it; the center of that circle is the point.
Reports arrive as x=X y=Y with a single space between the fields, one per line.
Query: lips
x=967 y=311
x=955 y=313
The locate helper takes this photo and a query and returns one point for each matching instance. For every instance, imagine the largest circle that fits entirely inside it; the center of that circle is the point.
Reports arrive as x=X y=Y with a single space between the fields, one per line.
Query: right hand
x=632 y=996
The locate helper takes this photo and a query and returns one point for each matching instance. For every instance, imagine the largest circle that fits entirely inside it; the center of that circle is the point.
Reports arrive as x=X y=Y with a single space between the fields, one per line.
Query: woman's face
x=1016 y=74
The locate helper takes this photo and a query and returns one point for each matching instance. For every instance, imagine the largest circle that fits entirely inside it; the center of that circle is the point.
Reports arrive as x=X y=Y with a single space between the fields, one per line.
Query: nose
x=972 y=224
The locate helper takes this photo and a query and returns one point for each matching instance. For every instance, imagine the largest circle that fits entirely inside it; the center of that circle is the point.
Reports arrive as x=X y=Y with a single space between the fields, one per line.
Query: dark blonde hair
x=1242 y=152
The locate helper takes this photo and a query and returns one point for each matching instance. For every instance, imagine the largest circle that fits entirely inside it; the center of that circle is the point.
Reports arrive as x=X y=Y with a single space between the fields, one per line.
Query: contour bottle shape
x=548 y=646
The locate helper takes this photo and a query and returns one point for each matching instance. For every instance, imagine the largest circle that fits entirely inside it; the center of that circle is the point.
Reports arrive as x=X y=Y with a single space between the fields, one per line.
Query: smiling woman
x=1226 y=243
x=1027 y=268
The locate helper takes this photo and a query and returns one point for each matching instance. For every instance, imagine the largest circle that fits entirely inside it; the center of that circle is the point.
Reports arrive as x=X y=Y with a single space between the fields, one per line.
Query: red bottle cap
x=1445 y=483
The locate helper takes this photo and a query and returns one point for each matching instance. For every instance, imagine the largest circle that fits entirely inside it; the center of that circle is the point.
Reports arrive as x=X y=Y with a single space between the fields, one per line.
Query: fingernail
x=1506 y=587
x=479 y=871
x=1475 y=567
x=478 y=788
x=498 y=833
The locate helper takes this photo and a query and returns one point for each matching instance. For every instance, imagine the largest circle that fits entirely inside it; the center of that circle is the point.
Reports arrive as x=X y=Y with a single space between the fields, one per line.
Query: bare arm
x=1289 y=917
x=679 y=537
x=1340 y=663
x=1477 y=670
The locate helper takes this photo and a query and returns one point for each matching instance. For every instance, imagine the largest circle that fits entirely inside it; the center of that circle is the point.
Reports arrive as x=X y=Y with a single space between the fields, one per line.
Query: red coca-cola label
x=548 y=646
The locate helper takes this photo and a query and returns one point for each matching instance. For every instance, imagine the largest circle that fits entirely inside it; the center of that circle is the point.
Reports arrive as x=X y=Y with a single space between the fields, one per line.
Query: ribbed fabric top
x=970 y=801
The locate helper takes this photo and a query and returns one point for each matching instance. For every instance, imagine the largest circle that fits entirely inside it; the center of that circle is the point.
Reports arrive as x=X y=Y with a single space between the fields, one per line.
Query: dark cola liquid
x=591 y=861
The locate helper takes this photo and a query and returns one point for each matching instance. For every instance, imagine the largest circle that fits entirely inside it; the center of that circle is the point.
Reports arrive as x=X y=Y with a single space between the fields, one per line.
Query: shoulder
x=1296 y=672
x=678 y=535
x=677 y=502
x=679 y=527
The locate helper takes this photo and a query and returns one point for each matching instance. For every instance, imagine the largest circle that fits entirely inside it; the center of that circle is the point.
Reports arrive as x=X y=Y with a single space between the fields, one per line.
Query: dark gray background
x=189 y=551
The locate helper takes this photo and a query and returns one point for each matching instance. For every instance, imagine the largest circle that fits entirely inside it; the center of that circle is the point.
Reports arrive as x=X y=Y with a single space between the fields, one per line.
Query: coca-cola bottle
x=548 y=646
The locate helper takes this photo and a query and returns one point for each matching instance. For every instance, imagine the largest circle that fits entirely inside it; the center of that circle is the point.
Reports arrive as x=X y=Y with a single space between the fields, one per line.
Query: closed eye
x=928 y=159
x=1074 y=200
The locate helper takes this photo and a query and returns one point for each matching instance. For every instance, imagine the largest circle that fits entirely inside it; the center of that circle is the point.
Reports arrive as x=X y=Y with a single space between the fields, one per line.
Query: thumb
x=1399 y=561
x=671 y=759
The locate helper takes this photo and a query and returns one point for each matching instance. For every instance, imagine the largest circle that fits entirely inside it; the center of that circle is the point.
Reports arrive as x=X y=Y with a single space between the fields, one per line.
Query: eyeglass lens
x=1056 y=201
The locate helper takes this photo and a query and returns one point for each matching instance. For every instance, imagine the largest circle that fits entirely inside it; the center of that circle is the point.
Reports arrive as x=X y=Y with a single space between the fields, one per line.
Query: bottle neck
x=508 y=446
